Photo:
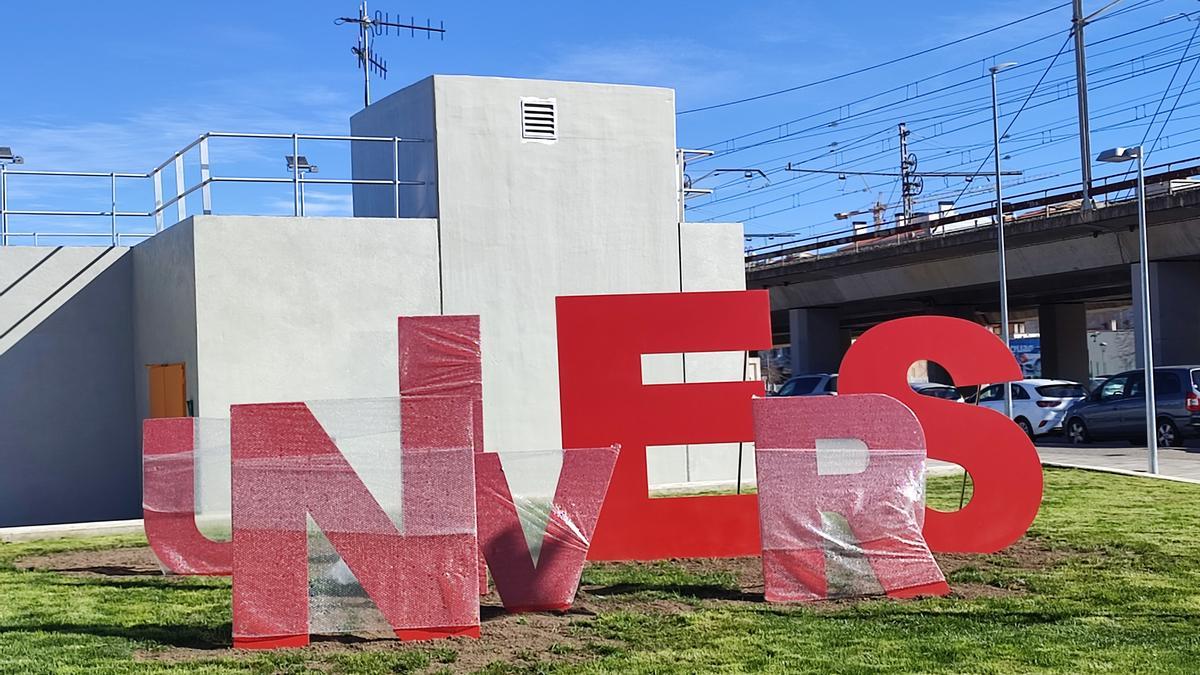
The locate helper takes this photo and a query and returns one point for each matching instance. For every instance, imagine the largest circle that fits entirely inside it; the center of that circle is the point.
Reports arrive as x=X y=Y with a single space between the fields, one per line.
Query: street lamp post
x=1128 y=155
x=299 y=165
x=1004 y=329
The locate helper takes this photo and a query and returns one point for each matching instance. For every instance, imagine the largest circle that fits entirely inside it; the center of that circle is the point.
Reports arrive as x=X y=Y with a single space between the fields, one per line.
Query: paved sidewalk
x=1182 y=464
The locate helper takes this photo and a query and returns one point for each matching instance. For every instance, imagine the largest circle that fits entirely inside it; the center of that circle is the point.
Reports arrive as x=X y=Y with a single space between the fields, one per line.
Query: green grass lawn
x=1117 y=590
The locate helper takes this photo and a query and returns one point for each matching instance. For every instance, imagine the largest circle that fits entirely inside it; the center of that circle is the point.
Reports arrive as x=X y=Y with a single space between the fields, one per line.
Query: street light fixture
x=299 y=165
x=1004 y=329
x=1130 y=155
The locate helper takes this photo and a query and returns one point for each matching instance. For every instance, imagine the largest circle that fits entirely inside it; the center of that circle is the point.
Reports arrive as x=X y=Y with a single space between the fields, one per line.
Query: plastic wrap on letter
x=1006 y=473
x=535 y=535
x=171 y=450
x=287 y=467
x=440 y=360
x=841 y=483
x=601 y=340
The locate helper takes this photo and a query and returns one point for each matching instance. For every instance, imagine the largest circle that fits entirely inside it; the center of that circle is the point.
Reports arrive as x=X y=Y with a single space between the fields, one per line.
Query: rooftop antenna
x=381 y=24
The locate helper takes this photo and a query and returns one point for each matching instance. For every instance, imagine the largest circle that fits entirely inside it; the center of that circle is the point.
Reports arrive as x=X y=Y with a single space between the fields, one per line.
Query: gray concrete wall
x=407 y=114
x=68 y=443
x=291 y=309
x=164 y=310
x=1174 y=311
x=1064 y=338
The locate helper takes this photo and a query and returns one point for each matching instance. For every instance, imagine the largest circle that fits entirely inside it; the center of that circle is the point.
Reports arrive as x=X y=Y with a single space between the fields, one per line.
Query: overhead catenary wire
x=876 y=66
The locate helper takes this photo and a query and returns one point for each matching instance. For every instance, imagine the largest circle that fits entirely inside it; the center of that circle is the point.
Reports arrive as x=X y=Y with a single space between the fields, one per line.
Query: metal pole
x=156 y=178
x=3 y=206
x=301 y=195
x=1081 y=96
x=904 y=189
x=205 y=176
x=112 y=177
x=296 y=174
x=396 y=176
x=1000 y=242
x=1147 y=331
x=181 y=204
x=365 y=28
x=680 y=171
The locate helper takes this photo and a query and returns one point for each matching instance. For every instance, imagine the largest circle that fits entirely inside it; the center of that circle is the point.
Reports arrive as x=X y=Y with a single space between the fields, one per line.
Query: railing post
x=396 y=176
x=3 y=206
x=181 y=205
x=112 y=182
x=295 y=175
x=205 y=195
x=156 y=177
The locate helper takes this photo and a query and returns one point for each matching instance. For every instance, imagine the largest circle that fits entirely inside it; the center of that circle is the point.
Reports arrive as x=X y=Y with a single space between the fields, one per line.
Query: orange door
x=168 y=390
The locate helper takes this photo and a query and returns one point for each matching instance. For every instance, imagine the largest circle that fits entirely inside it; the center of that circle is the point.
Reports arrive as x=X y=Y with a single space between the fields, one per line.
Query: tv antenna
x=378 y=25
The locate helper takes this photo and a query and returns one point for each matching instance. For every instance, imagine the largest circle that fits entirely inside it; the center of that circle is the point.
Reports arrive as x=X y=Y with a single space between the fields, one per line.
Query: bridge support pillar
x=1063 y=340
x=1174 y=311
x=816 y=342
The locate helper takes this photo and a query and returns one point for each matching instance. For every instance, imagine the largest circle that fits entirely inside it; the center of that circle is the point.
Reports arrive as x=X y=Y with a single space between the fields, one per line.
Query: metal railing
x=181 y=192
x=982 y=214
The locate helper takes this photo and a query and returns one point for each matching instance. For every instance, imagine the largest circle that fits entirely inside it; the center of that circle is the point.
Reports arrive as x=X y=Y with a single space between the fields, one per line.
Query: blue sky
x=119 y=86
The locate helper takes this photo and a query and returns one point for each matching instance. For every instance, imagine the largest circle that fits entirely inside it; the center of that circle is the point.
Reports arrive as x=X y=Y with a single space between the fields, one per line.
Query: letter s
x=1003 y=464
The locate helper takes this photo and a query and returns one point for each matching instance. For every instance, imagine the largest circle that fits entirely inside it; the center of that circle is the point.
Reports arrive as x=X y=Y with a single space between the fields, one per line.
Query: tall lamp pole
x=1008 y=405
x=1128 y=155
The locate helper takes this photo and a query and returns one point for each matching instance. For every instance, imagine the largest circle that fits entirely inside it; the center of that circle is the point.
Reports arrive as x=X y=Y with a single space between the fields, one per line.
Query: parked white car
x=1039 y=406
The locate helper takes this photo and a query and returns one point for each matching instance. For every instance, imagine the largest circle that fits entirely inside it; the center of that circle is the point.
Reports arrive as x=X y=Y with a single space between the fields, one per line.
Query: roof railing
x=178 y=198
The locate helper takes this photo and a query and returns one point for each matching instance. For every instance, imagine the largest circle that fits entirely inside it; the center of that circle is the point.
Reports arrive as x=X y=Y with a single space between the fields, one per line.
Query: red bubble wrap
x=535 y=534
x=841 y=491
x=440 y=361
x=174 y=491
x=401 y=520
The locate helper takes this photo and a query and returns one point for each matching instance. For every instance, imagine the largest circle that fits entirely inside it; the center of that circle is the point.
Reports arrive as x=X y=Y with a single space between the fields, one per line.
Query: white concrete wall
x=523 y=222
x=164 y=310
x=291 y=309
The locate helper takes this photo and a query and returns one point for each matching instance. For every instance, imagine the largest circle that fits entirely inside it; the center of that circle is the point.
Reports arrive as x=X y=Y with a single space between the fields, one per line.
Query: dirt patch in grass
x=533 y=637
x=113 y=562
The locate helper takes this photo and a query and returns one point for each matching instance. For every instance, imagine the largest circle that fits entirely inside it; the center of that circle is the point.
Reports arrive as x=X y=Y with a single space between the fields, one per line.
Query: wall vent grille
x=539 y=119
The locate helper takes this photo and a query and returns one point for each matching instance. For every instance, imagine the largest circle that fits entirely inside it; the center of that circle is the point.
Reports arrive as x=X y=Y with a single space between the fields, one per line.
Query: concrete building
x=530 y=189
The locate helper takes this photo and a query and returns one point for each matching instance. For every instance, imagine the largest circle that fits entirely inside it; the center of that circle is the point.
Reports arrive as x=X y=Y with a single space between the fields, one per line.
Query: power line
x=865 y=69
x=976 y=81
x=1019 y=111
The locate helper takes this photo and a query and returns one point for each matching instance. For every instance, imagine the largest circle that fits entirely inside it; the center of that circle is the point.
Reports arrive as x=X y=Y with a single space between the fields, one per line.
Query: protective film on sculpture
x=340 y=526
x=185 y=494
x=537 y=512
x=841 y=490
x=440 y=361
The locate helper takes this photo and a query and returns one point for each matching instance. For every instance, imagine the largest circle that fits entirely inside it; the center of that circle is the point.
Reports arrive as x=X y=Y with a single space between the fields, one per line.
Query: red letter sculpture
x=441 y=364
x=601 y=340
x=536 y=539
x=169 y=453
x=841 y=479
x=1004 y=466
x=296 y=460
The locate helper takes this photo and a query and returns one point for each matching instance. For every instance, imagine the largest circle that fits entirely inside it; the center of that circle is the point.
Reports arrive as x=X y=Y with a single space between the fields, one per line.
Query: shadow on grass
x=698 y=591
x=188 y=637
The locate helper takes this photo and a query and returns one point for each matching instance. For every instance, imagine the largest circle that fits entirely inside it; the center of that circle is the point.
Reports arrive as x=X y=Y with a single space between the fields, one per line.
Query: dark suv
x=1117 y=408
